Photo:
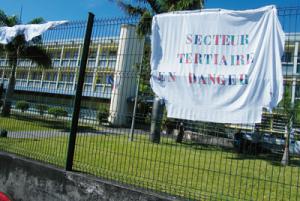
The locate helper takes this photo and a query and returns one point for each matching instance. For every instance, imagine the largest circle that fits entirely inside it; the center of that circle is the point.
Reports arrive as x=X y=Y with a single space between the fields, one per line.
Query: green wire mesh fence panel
x=38 y=124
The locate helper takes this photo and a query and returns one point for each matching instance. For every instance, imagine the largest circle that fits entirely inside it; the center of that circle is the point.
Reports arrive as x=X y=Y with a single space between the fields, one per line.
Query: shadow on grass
x=58 y=124
x=271 y=158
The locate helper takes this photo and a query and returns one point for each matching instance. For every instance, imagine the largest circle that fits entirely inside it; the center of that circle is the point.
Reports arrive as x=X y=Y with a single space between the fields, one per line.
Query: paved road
x=58 y=133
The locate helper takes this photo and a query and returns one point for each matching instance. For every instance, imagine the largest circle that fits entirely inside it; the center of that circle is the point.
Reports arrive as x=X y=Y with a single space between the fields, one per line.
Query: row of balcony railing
x=61 y=87
x=92 y=63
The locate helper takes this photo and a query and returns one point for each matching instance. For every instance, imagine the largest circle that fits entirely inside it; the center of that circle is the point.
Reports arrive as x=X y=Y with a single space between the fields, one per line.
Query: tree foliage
x=146 y=9
x=57 y=112
x=22 y=105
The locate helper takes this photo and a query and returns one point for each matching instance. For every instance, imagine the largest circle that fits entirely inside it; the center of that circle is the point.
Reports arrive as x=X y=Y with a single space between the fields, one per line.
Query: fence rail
x=190 y=160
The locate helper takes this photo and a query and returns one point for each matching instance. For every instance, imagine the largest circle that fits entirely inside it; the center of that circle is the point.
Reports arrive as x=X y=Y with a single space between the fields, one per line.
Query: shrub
x=41 y=108
x=102 y=114
x=3 y=133
x=22 y=105
x=57 y=112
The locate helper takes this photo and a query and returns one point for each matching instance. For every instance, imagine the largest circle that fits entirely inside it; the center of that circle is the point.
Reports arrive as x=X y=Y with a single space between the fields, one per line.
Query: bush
x=57 y=112
x=22 y=105
x=41 y=108
x=102 y=114
x=3 y=133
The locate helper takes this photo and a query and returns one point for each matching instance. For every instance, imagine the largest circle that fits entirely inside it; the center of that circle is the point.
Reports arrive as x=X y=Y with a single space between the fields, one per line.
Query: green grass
x=189 y=170
x=23 y=122
x=18 y=124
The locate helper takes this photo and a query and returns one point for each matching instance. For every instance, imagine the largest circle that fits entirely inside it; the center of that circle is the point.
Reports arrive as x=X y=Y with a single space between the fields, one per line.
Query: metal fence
x=190 y=160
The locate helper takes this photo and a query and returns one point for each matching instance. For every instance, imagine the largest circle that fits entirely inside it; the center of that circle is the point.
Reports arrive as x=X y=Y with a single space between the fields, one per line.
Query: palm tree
x=146 y=9
x=19 y=48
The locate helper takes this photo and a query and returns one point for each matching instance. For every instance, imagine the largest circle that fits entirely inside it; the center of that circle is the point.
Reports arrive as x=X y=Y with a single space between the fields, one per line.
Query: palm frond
x=144 y=25
x=190 y=4
x=155 y=6
x=3 y=18
x=130 y=9
x=173 y=5
x=38 y=20
x=37 y=54
x=12 y=21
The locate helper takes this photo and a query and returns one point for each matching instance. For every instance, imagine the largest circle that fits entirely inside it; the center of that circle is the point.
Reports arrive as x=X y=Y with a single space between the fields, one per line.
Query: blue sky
x=77 y=9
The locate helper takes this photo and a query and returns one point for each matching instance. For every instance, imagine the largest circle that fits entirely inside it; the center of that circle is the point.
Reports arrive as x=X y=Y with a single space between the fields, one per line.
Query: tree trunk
x=9 y=91
x=156 y=120
x=286 y=154
x=180 y=135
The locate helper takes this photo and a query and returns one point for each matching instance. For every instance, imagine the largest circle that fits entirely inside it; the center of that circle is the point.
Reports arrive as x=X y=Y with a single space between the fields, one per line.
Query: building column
x=78 y=56
x=94 y=80
x=42 y=78
x=294 y=73
x=28 y=76
x=58 y=77
x=129 y=56
x=98 y=55
x=61 y=55
x=6 y=59
x=75 y=78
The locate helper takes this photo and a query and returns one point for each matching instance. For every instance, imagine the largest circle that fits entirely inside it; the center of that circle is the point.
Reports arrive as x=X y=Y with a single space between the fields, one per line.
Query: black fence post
x=78 y=96
x=156 y=120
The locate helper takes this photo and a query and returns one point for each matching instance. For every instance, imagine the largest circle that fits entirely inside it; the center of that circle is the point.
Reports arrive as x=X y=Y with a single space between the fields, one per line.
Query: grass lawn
x=16 y=124
x=190 y=170
x=23 y=122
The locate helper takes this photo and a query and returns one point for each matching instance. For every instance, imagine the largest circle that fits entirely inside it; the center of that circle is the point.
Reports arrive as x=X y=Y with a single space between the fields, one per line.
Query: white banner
x=218 y=65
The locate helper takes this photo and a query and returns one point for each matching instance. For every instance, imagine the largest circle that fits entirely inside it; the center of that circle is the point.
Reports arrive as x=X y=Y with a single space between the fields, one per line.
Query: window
x=92 y=54
x=67 y=76
x=109 y=79
x=68 y=55
x=3 y=62
x=55 y=54
x=55 y=63
x=36 y=75
x=111 y=64
x=88 y=78
x=75 y=55
x=287 y=57
x=102 y=63
x=71 y=76
x=91 y=63
x=22 y=75
x=64 y=77
x=100 y=79
x=103 y=55
x=7 y=73
x=65 y=63
x=113 y=55
x=50 y=76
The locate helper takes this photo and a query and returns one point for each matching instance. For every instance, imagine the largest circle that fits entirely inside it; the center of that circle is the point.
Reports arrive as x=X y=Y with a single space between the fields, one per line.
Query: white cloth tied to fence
x=7 y=34
x=218 y=65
